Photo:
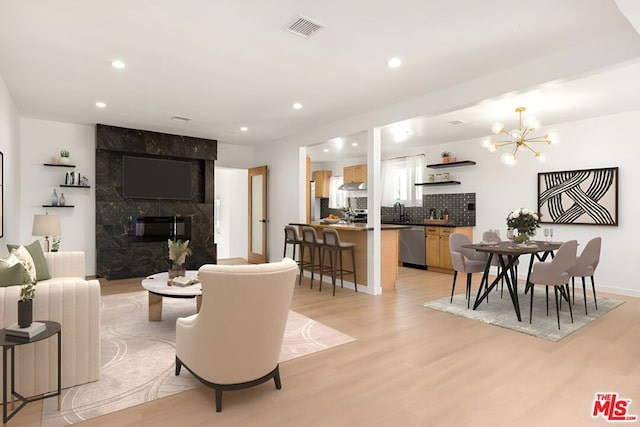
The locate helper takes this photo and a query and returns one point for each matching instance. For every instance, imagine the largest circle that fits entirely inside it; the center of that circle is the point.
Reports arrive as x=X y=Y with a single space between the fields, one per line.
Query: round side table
x=9 y=343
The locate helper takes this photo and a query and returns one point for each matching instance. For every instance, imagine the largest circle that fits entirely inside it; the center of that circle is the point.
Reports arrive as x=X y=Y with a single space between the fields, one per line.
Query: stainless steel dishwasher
x=413 y=247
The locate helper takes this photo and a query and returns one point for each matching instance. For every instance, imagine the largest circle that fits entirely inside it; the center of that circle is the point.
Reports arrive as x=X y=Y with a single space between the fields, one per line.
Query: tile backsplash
x=461 y=208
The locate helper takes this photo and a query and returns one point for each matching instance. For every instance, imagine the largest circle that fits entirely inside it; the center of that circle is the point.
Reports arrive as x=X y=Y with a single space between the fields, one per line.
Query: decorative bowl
x=330 y=221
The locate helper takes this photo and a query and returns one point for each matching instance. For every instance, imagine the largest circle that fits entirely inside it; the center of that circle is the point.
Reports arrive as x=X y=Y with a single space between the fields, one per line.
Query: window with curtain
x=337 y=198
x=399 y=177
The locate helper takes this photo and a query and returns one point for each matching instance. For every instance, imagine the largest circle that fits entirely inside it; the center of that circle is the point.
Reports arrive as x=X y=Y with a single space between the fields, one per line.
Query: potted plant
x=446 y=156
x=55 y=246
x=25 y=304
x=64 y=157
x=178 y=251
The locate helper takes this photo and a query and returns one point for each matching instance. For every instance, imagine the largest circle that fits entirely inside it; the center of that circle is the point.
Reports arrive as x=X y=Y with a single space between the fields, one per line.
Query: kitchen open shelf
x=58 y=206
x=438 y=183
x=75 y=186
x=451 y=164
x=59 y=165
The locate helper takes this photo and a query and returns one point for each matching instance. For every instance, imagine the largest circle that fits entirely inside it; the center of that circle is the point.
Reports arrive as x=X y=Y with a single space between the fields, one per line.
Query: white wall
x=10 y=147
x=40 y=141
x=599 y=142
x=232 y=191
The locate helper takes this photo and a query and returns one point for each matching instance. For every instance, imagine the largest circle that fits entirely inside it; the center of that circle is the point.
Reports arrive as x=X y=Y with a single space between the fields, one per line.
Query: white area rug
x=138 y=357
x=500 y=312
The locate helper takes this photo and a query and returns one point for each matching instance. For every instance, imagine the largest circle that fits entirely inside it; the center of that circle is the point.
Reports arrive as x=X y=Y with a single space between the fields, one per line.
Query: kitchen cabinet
x=356 y=173
x=322 y=180
x=437 y=246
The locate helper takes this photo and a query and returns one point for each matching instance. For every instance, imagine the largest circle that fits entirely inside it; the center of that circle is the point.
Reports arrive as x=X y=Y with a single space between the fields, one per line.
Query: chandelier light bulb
x=515 y=135
x=531 y=123
x=497 y=127
x=486 y=142
x=508 y=159
x=553 y=136
x=492 y=148
x=541 y=157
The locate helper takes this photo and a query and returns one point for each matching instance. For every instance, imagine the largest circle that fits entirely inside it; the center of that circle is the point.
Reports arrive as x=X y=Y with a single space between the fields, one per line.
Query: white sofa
x=72 y=301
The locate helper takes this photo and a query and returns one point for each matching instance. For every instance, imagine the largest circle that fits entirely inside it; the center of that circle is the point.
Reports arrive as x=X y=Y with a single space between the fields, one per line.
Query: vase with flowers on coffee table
x=159 y=286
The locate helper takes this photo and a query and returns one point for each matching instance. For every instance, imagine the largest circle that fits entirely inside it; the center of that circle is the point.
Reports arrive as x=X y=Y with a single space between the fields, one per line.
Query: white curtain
x=337 y=198
x=399 y=177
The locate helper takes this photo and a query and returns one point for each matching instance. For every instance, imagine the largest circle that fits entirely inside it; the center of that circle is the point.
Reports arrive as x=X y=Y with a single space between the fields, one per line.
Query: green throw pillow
x=36 y=252
x=14 y=275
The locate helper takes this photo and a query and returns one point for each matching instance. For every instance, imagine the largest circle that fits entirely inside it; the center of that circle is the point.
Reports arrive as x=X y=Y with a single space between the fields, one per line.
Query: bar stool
x=313 y=244
x=291 y=238
x=336 y=247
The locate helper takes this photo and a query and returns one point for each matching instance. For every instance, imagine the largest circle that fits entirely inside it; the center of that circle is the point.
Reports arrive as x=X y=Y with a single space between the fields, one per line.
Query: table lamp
x=46 y=225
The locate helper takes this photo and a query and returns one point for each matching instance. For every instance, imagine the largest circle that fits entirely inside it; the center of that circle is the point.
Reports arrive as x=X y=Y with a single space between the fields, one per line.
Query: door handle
x=264 y=220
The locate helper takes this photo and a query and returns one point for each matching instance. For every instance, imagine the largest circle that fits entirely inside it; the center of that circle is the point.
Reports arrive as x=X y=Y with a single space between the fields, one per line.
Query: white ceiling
x=230 y=63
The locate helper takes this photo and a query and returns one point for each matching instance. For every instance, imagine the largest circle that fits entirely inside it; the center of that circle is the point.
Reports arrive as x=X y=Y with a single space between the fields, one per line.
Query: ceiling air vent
x=304 y=27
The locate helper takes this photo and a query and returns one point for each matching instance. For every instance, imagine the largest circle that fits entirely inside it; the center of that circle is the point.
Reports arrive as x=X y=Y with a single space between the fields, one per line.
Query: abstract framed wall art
x=585 y=196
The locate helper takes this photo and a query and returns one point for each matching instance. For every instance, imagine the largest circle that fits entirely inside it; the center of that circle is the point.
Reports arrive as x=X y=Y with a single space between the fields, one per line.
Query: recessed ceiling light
x=101 y=104
x=118 y=64
x=354 y=144
x=297 y=106
x=326 y=150
x=244 y=128
x=394 y=63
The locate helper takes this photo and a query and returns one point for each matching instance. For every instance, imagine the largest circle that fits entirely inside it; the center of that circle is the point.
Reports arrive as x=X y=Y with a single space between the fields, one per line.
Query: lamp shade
x=46 y=225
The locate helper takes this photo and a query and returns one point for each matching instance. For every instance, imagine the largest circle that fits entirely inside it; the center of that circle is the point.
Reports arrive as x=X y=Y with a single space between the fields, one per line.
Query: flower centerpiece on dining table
x=525 y=221
x=178 y=251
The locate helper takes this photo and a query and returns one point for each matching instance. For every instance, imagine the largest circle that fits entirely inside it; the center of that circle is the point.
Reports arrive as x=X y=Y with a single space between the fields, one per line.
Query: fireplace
x=159 y=228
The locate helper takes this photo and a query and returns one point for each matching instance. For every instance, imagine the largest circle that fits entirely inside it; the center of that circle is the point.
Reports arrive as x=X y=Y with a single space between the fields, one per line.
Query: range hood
x=351 y=186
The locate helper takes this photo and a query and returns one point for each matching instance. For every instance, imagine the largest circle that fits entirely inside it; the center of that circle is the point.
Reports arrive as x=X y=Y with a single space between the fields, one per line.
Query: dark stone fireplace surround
x=119 y=255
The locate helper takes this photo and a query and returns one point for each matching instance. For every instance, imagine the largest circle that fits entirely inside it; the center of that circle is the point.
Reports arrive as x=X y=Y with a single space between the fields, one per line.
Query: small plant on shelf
x=64 y=157
x=446 y=156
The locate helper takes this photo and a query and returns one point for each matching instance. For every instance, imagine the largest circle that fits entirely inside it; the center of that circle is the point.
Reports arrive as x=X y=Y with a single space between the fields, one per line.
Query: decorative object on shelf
x=64 y=157
x=431 y=177
x=55 y=245
x=178 y=251
x=525 y=221
x=84 y=182
x=46 y=225
x=63 y=201
x=349 y=213
x=583 y=196
x=54 y=198
x=520 y=138
x=446 y=176
x=25 y=304
x=446 y=157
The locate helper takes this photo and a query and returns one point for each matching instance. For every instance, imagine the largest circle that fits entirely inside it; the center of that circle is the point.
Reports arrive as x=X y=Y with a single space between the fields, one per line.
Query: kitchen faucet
x=400 y=212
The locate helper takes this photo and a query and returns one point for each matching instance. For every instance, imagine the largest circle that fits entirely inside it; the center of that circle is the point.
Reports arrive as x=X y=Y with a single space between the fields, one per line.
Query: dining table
x=508 y=253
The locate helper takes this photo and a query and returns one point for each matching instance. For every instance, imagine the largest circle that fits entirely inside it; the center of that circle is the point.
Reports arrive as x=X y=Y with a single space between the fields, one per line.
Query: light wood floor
x=412 y=366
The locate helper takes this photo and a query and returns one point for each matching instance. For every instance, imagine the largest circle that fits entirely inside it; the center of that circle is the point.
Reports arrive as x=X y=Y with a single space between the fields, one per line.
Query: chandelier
x=519 y=139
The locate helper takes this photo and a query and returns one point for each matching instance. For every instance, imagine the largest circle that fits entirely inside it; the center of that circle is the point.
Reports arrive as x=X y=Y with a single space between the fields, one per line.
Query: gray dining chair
x=556 y=273
x=492 y=236
x=465 y=260
x=586 y=265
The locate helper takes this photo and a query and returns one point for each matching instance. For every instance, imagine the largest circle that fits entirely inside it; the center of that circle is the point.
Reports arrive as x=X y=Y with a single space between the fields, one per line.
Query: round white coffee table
x=157 y=286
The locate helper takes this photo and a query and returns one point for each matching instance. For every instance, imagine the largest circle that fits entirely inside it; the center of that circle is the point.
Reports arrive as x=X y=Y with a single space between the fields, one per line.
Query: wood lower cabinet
x=357 y=173
x=322 y=180
x=437 y=246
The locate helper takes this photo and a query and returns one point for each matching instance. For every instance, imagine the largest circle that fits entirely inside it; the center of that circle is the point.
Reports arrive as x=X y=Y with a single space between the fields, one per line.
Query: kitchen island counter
x=353 y=233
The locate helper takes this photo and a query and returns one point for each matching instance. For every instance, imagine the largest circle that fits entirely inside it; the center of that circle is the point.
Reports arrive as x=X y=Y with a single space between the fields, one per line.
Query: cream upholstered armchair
x=234 y=341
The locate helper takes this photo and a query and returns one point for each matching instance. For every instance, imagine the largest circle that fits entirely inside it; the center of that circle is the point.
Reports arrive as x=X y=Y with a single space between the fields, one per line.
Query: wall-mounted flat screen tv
x=151 y=178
